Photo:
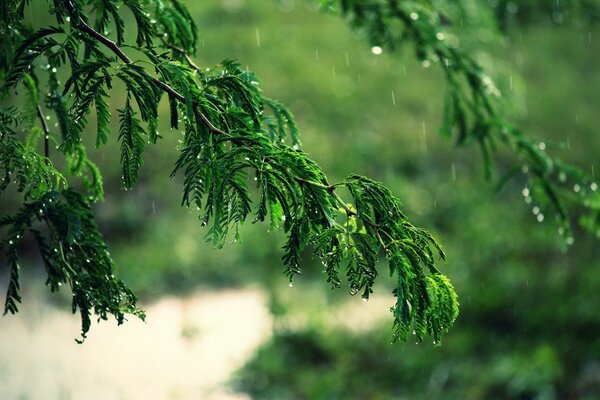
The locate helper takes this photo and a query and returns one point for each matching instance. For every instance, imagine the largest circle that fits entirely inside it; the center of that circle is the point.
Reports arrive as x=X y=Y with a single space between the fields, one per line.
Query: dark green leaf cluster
x=73 y=252
x=471 y=108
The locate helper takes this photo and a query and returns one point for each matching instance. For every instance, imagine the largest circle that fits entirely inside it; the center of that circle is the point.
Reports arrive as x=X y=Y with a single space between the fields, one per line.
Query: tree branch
x=40 y=115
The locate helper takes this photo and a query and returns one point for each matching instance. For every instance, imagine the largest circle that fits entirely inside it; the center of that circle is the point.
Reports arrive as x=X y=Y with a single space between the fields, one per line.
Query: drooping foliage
x=240 y=156
x=473 y=114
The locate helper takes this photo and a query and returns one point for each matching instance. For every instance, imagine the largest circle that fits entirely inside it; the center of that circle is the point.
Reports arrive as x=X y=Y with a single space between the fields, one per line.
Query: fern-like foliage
x=73 y=253
x=239 y=159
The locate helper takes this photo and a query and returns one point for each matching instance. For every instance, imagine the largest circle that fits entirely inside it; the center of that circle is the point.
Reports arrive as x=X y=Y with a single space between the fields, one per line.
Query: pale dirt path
x=186 y=350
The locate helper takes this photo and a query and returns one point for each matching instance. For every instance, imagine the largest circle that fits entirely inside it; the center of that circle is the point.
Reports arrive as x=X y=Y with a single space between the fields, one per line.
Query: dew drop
x=562 y=177
x=376 y=50
x=542 y=146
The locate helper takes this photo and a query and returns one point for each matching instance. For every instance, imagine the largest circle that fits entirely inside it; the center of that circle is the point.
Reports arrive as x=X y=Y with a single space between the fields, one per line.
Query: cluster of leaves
x=231 y=132
x=472 y=114
x=73 y=252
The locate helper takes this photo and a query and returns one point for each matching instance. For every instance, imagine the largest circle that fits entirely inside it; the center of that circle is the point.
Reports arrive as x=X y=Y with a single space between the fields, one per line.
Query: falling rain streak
x=453 y=167
x=257 y=37
x=393 y=98
x=424 y=138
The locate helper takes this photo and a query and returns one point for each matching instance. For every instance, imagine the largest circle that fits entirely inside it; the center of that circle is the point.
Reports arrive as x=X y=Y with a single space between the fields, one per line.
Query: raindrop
x=570 y=240
x=535 y=210
x=291 y=284
x=414 y=16
x=561 y=230
x=540 y=217
x=542 y=146
x=376 y=50
x=525 y=192
x=562 y=177
x=10 y=242
x=439 y=36
x=54 y=69
x=364 y=299
x=594 y=186
x=426 y=63
x=247 y=158
x=68 y=19
x=576 y=188
x=295 y=147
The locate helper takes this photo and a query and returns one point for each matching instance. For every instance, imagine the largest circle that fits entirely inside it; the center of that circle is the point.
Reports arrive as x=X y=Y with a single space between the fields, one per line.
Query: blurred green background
x=529 y=325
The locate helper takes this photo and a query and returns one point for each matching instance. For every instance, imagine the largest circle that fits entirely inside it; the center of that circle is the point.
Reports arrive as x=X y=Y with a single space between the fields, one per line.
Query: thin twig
x=40 y=114
x=164 y=86
x=185 y=54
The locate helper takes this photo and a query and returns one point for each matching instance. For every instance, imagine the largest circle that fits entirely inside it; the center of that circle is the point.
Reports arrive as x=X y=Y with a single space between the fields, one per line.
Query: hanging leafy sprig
x=555 y=190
